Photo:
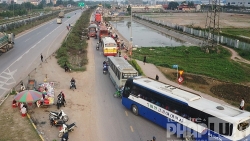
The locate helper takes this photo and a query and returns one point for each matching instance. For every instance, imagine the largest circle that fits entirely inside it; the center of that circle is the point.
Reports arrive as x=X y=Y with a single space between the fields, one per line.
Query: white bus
x=120 y=70
x=183 y=113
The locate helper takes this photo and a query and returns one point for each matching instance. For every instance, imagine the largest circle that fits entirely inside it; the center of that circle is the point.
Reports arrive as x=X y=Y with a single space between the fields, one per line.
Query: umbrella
x=28 y=96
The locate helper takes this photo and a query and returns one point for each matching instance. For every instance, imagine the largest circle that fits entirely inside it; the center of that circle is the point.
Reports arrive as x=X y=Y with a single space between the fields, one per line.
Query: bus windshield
x=243 y=125
x=128 y=75
x=92 y=29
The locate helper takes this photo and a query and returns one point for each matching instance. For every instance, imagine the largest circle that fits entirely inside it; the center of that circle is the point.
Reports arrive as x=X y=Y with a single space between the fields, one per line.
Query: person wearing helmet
x=73 y=81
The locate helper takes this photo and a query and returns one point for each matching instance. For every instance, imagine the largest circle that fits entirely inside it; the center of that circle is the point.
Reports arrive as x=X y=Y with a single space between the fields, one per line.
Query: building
x=34 y=2
x=242 y=3
x=185 y=7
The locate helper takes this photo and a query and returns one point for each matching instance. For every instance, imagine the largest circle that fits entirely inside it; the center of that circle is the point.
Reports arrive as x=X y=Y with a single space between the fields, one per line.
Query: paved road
x=25 y=56
x=115 y=122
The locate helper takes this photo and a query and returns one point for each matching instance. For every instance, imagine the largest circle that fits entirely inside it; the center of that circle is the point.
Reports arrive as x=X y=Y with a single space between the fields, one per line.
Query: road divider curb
x=38 y=132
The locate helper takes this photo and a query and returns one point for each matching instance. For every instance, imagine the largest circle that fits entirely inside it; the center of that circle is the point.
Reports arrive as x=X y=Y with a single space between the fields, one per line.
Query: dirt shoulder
x=80 y=105
x=14 y=127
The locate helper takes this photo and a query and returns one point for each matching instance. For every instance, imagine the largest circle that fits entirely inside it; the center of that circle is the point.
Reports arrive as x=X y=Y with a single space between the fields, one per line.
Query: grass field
x=243 y=32
x=193 y=60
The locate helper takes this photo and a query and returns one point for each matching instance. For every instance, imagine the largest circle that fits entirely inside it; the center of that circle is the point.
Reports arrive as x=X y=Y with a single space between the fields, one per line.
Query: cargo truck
x=98 y=18
x=61 y=14
x=58 y=20
x=6 y=42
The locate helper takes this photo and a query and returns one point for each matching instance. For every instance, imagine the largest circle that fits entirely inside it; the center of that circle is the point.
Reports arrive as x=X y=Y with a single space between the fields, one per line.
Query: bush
x=74 y=49
x=136 y=66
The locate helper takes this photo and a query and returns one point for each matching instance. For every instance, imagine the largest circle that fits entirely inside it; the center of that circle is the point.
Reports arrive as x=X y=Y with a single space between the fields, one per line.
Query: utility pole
x=13 y=9
x=131 y=38
x=212 y=28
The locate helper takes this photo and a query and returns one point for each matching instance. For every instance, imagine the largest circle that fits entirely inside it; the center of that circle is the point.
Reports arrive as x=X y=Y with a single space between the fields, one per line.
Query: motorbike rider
x=105 y=67
x=61 y=94
x=73 y=81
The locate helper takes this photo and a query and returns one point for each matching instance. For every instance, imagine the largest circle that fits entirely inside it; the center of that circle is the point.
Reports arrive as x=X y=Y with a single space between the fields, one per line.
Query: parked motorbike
x=60 y=115
x=65 y=136
x=72 y=85
x=66 y=128
x=56 y=122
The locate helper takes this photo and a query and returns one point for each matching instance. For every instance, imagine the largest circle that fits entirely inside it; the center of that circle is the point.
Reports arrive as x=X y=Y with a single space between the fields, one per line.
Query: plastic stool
x=14 y=106
x=24 y=115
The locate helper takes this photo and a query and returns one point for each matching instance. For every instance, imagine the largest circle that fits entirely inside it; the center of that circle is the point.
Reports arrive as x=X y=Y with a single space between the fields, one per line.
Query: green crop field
x=194 y=60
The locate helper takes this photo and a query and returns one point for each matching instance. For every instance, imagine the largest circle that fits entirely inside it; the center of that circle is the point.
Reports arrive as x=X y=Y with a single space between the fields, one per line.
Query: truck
x=92 y=30
x=58 y=20
x=98 y=18
x=6 y=42
x=61 y=14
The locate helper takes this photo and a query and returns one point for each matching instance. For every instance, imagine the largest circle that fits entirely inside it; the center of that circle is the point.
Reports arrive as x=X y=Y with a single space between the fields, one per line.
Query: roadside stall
x=47 y=89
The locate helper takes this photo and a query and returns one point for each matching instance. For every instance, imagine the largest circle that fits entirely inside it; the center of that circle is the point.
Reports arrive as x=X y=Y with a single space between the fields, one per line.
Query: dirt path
x=235 y=56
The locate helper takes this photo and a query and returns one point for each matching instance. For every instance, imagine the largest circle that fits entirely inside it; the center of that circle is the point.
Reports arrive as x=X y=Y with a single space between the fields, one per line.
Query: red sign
x=180 y=79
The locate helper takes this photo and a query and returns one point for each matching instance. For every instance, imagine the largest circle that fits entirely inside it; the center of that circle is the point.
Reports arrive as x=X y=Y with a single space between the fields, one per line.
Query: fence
x=233 y=43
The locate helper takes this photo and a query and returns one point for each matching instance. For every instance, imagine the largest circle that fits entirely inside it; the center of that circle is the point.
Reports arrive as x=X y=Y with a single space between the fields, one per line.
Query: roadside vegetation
x=213 y=74
x=193 y=60
x=136 y=66
x=73 y=50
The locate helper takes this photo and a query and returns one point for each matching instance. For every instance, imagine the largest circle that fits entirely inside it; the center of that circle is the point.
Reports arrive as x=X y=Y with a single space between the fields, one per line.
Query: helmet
x=154 y=138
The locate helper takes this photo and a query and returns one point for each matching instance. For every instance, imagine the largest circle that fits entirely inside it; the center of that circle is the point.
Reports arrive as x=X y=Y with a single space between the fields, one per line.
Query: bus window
x=243 y=125
x=128 y=87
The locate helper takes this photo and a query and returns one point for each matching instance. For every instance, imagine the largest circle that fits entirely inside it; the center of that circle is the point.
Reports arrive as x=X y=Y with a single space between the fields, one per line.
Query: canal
x=144 y=36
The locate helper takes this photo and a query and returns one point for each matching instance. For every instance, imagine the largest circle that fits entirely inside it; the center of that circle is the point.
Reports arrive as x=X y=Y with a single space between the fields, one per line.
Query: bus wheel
x=135 y=110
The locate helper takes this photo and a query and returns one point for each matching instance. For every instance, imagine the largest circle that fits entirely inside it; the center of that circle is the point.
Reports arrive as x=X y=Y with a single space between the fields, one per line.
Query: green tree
x=173 y=5
x=129 y=9
x=191 y=3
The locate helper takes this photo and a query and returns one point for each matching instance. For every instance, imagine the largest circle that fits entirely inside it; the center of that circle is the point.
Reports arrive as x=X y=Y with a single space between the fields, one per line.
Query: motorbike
x=56 y=122
x=60 y=102
x=97 y=46
x=66 y=128
x=105 y=70
x=65 y=136
x=60 y=115
x=72 y=85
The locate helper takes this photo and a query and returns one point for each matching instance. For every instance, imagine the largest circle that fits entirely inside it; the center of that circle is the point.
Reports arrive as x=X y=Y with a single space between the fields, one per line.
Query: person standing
x=144 y=59
x=242 y=104
x=41 y=57
x=156 y=77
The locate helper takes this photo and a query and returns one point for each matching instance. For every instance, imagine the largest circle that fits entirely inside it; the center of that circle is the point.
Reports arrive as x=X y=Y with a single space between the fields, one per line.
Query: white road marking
x=126 y=113
x=131 y=128
x=11 y=74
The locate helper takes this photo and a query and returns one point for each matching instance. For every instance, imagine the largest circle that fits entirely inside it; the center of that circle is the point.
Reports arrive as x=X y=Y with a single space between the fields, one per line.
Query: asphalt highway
x=25 y=56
